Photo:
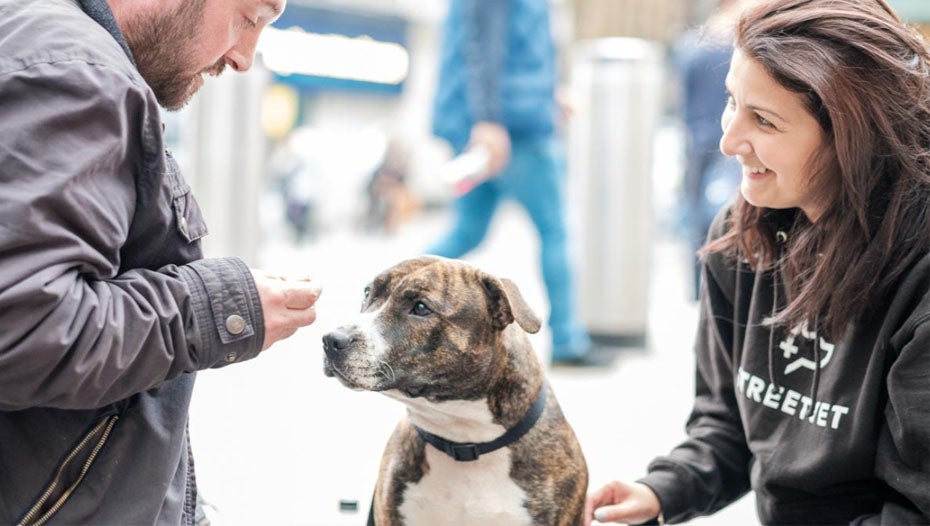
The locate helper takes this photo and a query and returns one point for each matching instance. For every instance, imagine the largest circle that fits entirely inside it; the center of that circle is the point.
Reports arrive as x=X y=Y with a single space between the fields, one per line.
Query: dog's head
x=430 y=327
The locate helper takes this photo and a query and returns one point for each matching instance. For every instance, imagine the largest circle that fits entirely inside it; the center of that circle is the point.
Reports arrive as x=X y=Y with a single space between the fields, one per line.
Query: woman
x=813 y=354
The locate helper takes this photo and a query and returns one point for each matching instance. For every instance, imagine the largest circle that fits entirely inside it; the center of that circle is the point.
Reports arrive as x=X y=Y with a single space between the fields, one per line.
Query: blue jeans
x=535 y=178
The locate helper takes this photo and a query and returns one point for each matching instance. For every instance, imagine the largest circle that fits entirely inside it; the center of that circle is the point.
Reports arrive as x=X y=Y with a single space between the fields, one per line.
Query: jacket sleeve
x=710 y=469
x=485 y=52
x=902 y=460
x=76 y=332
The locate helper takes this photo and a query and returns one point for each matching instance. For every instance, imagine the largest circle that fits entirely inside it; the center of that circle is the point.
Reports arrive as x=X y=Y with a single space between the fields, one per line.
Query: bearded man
x=107 y=306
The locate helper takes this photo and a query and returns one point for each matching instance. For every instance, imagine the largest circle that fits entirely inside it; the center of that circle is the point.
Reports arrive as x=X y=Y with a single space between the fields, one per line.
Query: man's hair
x=863 y=74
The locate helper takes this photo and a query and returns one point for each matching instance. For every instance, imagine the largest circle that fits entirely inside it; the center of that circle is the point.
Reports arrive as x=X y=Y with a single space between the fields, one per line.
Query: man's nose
x=241 y=56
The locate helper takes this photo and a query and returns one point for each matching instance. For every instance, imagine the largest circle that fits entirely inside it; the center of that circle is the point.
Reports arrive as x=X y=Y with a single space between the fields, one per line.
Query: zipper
x=103 y=429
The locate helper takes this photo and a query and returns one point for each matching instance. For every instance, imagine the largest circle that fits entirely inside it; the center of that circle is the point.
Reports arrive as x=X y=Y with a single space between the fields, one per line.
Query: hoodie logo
x=790 y=347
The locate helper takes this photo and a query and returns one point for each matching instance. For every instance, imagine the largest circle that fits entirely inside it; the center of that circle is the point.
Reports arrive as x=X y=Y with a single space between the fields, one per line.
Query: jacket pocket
x=188 y=218
x=70 y=473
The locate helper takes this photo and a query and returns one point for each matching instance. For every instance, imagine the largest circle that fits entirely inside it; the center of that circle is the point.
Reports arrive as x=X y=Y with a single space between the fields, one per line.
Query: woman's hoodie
x=824 y=431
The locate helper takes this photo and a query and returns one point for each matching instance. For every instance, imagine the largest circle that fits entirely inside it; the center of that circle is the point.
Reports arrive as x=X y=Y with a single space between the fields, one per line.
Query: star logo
x=791 y=349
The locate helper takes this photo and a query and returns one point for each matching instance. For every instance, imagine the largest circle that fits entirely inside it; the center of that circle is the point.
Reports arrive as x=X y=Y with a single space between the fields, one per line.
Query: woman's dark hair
x=863 y=74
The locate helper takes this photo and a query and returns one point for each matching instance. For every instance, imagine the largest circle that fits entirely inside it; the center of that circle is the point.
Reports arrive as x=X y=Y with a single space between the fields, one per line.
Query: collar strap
x=463 y=452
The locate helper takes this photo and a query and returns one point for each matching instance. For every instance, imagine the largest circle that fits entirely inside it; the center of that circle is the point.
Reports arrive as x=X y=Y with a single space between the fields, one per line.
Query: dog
x=484 y=441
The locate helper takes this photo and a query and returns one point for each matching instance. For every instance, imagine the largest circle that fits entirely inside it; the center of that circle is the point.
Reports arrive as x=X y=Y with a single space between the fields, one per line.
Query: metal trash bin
x=618 y=83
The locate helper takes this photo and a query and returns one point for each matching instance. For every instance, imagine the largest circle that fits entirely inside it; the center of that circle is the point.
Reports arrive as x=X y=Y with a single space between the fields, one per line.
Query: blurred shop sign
x=657 y=20
x=314 y=48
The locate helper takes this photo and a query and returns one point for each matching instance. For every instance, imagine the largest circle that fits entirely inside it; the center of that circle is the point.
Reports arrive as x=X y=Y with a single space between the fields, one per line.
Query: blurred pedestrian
x=701 y=59
x=301 y=192
x=813 y=351
x=391 y=202
x=496 y=93
x=106 y=303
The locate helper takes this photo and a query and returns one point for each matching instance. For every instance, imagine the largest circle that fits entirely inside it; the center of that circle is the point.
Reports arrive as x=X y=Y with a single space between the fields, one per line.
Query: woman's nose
x=734 y=141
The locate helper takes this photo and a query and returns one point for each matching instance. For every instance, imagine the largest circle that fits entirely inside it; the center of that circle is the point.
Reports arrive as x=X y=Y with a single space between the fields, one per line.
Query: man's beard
x=162 y=47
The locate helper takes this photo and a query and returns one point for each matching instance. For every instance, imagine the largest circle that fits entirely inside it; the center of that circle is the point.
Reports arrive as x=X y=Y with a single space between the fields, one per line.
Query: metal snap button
x=235 y=324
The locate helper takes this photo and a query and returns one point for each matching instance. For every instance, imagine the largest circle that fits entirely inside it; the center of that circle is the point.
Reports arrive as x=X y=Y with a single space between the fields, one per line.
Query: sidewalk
x=277 y=442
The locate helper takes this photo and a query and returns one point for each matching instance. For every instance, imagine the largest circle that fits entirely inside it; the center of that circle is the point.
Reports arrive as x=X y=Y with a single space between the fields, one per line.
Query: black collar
x=469 y=451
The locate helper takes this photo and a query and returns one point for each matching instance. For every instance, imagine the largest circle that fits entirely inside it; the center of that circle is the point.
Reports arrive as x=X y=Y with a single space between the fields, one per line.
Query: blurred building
x=914 y=11
x=658 y=20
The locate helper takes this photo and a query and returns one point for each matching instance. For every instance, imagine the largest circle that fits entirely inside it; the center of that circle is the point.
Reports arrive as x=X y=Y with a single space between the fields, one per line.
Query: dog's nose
x=336 y=341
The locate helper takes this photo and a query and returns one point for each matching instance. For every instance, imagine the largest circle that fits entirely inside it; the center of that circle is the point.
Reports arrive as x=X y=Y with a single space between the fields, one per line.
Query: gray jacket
x=106 y=306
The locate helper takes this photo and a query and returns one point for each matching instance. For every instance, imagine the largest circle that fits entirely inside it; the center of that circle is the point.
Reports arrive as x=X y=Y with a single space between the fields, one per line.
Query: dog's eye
x=420 y=309
x=367 y=292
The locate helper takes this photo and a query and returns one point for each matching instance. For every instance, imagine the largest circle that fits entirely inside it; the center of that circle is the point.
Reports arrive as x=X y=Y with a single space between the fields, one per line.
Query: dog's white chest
x=476 y=493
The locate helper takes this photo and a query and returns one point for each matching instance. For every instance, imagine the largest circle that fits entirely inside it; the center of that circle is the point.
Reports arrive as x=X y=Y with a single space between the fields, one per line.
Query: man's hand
x=621 y=502
x=495 y=138
x=287 y=304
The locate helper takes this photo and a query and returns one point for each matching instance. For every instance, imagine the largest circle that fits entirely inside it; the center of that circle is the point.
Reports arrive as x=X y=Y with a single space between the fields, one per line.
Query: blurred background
x=320 y=160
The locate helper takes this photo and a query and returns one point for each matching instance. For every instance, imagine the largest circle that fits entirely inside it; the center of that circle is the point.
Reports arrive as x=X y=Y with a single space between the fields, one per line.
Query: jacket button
x=235 y=324
x=182 y=225
x=231 y=357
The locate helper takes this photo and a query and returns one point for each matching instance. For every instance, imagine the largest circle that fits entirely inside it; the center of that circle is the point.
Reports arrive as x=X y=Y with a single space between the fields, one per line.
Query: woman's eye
x=420 y=309
x=764 y=122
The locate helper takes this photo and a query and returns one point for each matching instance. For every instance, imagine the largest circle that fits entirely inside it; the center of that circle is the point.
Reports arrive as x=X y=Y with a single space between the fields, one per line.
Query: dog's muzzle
x=335 y=343
x=335 y=346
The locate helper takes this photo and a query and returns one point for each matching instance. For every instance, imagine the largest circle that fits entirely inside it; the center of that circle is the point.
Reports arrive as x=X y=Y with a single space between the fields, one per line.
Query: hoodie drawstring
x=781 y=237
x=816 y=381
x=772 y=328
x=737 y=346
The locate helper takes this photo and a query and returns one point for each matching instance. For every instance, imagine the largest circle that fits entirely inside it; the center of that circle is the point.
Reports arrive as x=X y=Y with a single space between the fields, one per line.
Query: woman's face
x=769 y=130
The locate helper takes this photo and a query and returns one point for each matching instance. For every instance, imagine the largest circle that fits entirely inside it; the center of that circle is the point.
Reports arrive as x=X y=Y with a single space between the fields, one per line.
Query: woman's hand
x=621 y=502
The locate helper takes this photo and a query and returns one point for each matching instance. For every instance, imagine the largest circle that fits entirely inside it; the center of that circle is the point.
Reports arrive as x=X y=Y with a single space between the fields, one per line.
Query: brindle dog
x=439 y=336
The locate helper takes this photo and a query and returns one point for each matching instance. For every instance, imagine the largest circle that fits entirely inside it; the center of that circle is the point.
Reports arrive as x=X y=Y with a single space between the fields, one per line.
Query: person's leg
x=473 y=213
x=537 y=180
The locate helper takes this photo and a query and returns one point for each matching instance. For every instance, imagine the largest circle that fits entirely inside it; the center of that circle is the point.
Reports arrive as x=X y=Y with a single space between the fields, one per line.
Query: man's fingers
x=301 y=296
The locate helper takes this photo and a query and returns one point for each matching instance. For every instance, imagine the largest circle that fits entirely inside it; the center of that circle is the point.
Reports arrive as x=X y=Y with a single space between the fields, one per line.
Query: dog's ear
x=508 y=305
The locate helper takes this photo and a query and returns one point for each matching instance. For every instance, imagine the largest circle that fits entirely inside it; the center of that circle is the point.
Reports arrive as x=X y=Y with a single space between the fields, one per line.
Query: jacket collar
x=101 y=13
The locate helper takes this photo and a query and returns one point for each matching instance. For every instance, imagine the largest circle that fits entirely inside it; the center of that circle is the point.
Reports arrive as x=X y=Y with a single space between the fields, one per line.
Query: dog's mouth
x=378 y=377
x=330 y=370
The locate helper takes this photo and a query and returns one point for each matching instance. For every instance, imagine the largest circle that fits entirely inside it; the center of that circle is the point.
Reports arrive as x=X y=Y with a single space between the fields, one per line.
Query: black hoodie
x=825 y=432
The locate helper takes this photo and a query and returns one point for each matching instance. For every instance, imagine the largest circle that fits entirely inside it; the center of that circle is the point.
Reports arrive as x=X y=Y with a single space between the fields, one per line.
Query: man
x=107 y=307
x=496 y=92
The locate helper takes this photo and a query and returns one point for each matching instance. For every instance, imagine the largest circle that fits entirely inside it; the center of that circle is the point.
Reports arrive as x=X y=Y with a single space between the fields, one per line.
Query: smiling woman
x=849 y=154
x=761 y=122
x=815 y=311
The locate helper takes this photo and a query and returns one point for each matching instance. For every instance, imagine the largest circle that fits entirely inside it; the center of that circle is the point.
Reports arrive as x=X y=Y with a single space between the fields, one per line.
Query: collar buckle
x=464 y=452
